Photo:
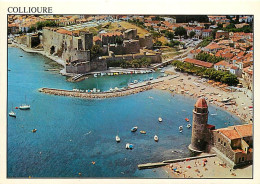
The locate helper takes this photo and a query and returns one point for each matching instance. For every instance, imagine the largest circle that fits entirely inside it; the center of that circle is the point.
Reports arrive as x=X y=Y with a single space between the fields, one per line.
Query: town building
x=198 y=62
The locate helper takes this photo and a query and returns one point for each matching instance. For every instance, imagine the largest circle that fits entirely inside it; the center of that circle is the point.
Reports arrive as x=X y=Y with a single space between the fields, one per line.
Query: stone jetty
x=108 y=94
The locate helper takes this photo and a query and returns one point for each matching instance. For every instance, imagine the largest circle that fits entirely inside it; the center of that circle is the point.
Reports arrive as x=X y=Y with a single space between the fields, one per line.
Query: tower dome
x=201 y=103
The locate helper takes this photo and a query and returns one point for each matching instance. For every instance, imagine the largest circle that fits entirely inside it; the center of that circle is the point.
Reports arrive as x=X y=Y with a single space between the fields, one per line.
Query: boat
x=34 y=130
x=25 y=106
x=129 y=146
x=213 y=114
x=95 y=75
x=180 y=127
x=117 y=138
x=12 y=114
x=187 y=119
x=156 y=138
x=135 y=81
x=134 y=129
x=160 y=119
x=180 y=131
x=189 y=125
x=143 y=132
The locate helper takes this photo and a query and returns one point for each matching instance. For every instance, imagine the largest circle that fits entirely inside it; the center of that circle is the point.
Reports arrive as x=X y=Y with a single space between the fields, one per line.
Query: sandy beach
x=192 y=86
x=211 y=167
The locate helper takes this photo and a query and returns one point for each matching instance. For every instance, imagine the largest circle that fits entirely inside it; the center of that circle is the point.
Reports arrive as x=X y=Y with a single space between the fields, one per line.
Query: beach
x=211 y=167
x=193 y=87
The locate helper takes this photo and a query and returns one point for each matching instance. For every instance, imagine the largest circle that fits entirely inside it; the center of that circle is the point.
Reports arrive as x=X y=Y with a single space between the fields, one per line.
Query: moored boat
x=117 y=138
x=143 y=132
x=186 y=119
x=134 y=129
x=12 y=114
x=34 y=130
x=160 y=119
x=156 y=138
x=25 y=106
x=189 y=125
x=129 y=146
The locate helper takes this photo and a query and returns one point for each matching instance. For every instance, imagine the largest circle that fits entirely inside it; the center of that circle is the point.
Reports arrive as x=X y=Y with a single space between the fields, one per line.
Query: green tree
x=192 y=34
x=95 y=51
x=119 y=40
x=180 y=31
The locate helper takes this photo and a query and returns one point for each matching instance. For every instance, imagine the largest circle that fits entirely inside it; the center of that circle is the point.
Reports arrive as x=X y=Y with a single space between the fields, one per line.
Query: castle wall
x=78 y=68
x=131 y=46
x=130 y=34
x=147 y=41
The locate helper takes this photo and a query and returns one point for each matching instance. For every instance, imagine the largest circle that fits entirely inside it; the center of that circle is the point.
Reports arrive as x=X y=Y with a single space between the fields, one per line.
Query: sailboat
x=25 y=106
x=12 y=113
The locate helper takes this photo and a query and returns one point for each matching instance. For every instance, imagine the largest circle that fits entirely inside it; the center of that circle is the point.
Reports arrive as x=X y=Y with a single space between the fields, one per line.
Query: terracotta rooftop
x=201 y=103
x=230 y=133
x=245 y=130
x=198 y=62
x=212 y=46
x=96 y=38
x=64 y=31
x=236 y=132
x=112 y=34
x=223 y=63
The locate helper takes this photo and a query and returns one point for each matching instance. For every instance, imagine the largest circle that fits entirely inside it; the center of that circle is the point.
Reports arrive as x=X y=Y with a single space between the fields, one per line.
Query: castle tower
x=199 y=126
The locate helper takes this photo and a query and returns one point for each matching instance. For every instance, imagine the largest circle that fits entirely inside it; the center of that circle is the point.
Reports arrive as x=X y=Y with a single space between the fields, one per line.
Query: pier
x=167 y=162
x=131 y=89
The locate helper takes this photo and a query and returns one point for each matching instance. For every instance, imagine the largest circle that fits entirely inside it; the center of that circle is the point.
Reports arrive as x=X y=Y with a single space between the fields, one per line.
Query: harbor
x=131 y=89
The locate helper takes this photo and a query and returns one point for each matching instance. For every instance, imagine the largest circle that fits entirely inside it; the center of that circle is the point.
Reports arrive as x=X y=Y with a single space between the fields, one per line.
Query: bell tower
x=199 y=126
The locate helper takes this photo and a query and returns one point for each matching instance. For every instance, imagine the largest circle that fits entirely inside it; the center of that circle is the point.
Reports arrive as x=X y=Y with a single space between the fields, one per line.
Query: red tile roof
x=198 y=62
x=230 y=133
x=223 y=63
x=245 y=130
x=96 y=38
x=112 y=34
x=64 y=31
x=212 y=46
x=236 y=132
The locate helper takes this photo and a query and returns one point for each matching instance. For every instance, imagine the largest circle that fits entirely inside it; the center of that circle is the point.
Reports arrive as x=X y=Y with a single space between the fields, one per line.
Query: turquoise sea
x=73 y=132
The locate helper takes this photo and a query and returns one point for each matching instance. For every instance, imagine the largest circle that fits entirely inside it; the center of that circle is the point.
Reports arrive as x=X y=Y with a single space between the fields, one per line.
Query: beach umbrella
x=189 y=166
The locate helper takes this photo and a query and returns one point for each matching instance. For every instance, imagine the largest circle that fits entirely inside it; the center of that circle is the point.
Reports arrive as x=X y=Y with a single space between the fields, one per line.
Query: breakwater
x=166 y=162
x=108 y=94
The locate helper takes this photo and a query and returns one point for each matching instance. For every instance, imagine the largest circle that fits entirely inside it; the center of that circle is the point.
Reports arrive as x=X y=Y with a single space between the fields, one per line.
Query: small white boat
x=24 y=107
x=180 y=127
x=134 y=129
x=160 y=119
x=213 y=114
x=135 y=81
x=129 y=146
x=95 y=75
x=180 y=131
x=12 y=114
x=189 y=125
x=34 y=130
x=156 y=138
x=117 y=138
